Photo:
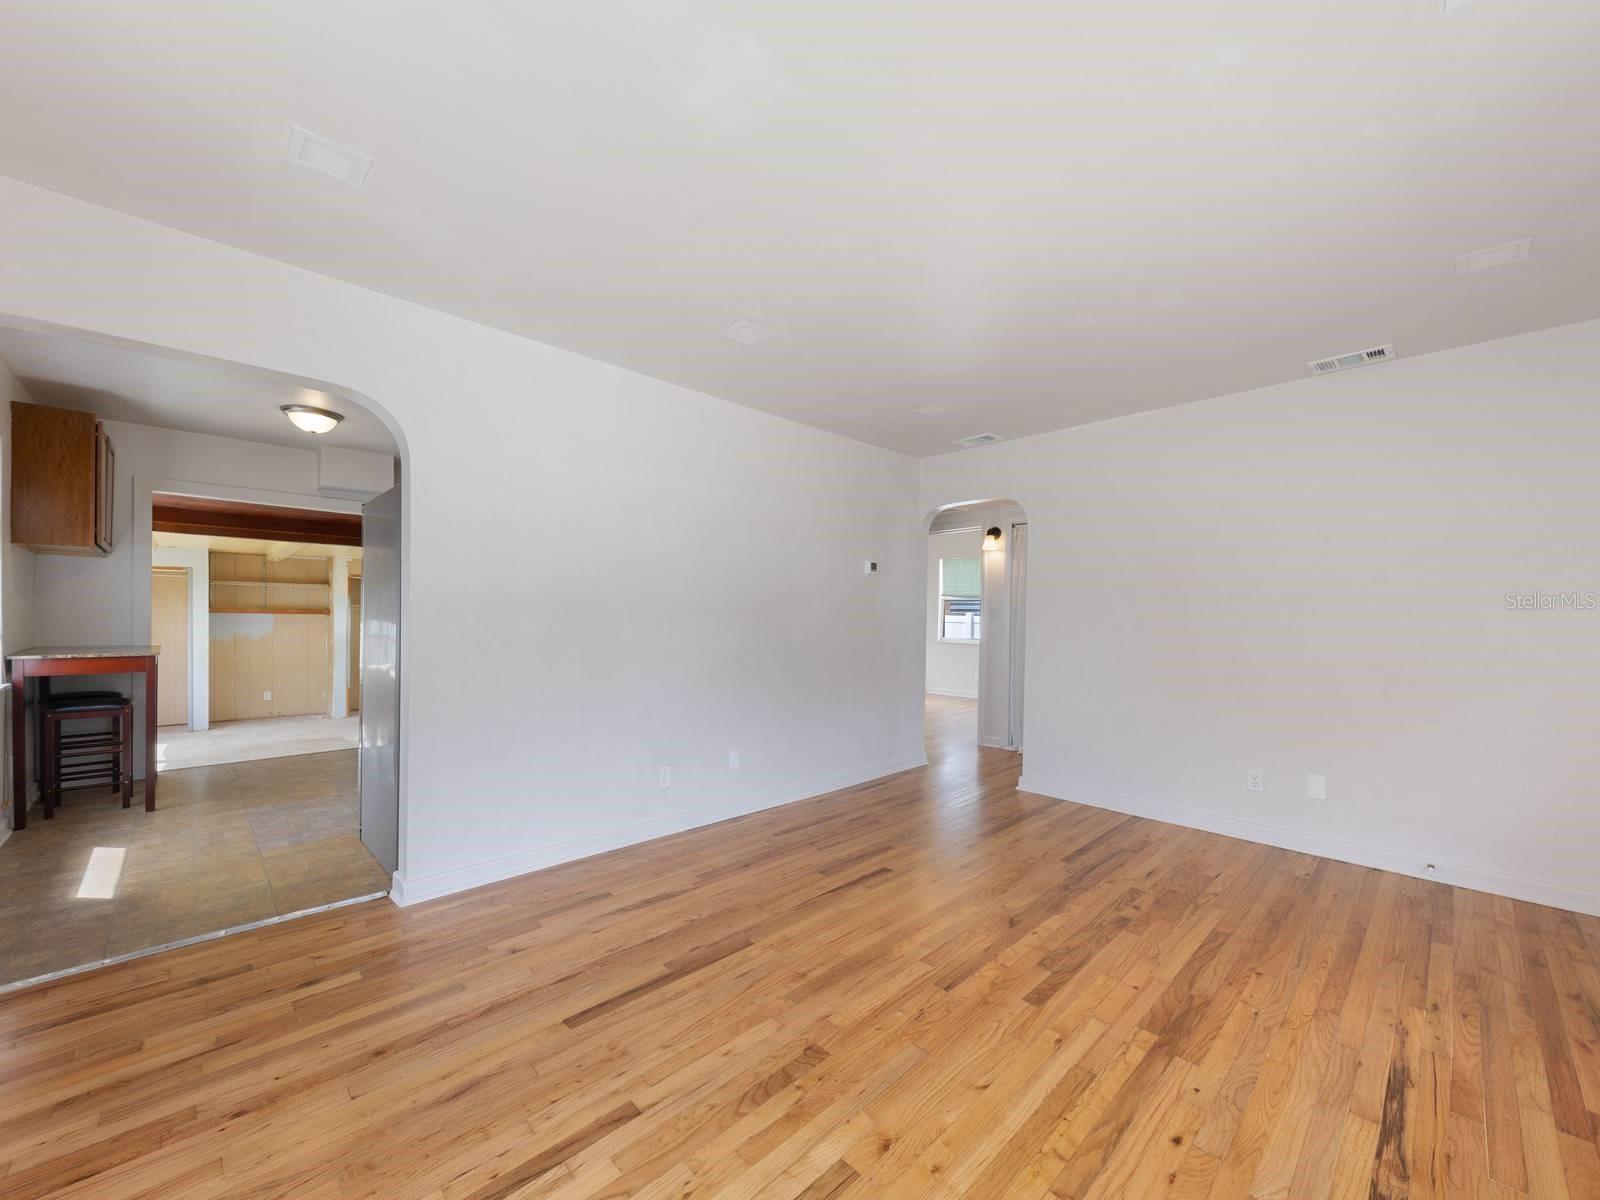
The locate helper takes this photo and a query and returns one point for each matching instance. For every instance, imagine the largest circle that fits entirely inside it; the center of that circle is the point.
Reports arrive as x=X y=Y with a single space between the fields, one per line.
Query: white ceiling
x=177 y=391
x=1037 y=213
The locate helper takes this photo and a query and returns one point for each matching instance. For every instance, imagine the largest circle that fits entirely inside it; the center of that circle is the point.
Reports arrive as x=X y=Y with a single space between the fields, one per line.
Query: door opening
x=976 y=618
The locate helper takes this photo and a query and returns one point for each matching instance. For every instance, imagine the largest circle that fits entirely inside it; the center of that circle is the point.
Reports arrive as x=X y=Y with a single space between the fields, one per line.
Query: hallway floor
x=228 y=845
x=247 y=741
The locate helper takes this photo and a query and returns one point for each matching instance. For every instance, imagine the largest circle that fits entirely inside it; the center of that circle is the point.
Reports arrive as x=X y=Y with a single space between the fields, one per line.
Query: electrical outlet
x=1255 y=779
x=1316 y=786
x=733 y=760
x=266 y=695
x=664 y=777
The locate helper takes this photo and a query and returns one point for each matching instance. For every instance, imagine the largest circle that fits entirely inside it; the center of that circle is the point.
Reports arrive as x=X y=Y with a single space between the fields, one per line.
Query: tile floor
x=229 y=844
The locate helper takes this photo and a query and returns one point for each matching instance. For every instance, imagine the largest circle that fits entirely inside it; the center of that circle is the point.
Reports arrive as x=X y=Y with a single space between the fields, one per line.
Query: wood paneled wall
x=253 y=654
x=271 y=637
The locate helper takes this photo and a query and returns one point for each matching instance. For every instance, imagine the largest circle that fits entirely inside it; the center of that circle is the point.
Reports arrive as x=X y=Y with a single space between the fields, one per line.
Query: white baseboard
x=1516 y=887
x=952 y=694
x=404 y=891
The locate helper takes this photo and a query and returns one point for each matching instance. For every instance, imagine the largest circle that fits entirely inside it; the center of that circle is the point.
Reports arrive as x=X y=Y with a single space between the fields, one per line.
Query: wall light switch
x=1316 y=786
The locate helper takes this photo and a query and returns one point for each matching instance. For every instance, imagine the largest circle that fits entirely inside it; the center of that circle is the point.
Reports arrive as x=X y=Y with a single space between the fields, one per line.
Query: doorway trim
x=141 y=542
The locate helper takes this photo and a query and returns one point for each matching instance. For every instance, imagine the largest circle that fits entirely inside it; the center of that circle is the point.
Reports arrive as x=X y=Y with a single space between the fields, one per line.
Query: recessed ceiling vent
x=978 y=439
x=1344 y=362
x=746 y=333
x=1494 y=256
x=318 y=154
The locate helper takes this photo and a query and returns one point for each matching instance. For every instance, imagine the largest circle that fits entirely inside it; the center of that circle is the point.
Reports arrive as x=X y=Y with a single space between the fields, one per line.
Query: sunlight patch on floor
x=104 y=872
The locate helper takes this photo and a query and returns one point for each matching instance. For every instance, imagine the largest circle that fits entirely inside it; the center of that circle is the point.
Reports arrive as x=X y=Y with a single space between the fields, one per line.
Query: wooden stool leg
x=125 y=759
x=49 y=766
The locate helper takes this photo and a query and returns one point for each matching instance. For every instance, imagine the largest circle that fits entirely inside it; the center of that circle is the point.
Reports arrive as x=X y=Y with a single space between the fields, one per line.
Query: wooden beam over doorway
x=230 y=518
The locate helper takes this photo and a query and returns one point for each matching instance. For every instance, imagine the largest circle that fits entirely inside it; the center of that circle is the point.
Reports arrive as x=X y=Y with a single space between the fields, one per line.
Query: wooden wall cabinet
x=63 y=476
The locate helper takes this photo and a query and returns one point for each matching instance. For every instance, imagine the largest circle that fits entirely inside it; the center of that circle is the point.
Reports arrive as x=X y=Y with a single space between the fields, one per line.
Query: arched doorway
x=275 y=834
x=975 y=610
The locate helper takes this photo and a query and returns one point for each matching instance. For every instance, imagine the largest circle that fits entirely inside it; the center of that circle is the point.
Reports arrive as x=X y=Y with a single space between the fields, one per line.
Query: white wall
x=1313 y=577
x=952 y=666
x=339 y=610
x=16 y=574
x=556 y=509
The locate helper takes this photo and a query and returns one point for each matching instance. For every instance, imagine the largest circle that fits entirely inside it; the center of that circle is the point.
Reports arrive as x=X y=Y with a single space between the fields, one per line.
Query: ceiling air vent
x=1343 y=362
x=978 y=439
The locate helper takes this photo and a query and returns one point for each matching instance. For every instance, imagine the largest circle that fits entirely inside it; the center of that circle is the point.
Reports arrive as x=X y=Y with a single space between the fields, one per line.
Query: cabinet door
x=105 y=479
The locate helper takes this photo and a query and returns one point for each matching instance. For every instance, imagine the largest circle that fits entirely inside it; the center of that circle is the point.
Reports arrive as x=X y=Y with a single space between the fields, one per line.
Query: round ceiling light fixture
x=310 y=419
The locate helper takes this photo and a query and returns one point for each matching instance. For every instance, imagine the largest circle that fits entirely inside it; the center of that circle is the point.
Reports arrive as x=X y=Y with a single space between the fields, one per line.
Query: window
x=960 y=599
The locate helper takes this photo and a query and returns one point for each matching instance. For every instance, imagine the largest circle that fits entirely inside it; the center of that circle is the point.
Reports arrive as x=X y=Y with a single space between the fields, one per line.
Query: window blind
x=960 y=577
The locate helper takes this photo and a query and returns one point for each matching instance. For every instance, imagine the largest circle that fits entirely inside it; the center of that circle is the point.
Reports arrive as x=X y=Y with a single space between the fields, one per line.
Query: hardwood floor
x=928 y=986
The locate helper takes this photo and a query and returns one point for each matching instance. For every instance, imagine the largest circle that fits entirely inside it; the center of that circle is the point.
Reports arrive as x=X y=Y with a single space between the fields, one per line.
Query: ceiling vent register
x=1345 y=362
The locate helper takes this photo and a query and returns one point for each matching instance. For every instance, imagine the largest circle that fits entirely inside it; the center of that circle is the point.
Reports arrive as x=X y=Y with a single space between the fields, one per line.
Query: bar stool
x=93 y=756
x=45 y=701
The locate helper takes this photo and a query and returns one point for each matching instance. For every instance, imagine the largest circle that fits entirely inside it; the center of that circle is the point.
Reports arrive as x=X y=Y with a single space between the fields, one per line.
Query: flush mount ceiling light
x=318 y=154
x=1494 y=256
x=312 y=420
x=746 y=333
x=931 y=410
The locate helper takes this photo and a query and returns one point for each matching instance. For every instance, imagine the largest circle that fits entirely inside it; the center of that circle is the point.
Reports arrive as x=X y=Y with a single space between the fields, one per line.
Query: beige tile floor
x=227 y=845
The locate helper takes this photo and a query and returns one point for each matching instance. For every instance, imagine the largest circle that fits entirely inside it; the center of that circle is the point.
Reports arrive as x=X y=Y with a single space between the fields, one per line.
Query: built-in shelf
x=292 y=612
x=251 y=583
